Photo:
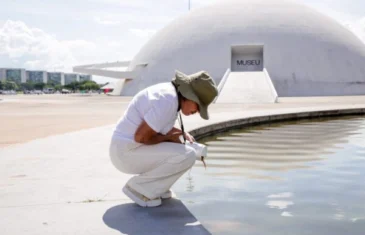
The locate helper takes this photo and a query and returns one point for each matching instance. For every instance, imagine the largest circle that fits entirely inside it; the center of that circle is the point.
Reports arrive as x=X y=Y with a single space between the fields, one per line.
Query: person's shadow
x=172 y=217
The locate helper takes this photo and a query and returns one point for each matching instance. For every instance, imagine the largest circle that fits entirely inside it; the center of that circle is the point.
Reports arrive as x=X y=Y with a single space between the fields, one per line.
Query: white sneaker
x=166 y=195
x=140 y=199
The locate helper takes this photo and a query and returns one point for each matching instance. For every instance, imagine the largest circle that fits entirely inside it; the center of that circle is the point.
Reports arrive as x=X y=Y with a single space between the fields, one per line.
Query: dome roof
x=301 y=47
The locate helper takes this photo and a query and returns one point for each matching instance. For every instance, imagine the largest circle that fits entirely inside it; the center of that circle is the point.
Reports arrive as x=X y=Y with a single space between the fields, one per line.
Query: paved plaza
x=55 y=173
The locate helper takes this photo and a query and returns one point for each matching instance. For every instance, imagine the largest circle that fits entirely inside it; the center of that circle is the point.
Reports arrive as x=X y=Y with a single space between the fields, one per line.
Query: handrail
x=271 y=85
x=222 y=82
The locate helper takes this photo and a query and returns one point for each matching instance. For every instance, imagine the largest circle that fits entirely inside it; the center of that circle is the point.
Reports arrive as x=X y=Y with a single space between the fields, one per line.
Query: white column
x=27 y=75
x=23 y=76
x=77 y=77
x=45 y=78
x=62 y=79
x=2 y=74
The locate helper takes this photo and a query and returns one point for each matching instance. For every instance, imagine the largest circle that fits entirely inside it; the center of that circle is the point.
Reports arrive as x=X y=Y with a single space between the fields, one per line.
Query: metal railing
x=222 y=82
x=271 y=85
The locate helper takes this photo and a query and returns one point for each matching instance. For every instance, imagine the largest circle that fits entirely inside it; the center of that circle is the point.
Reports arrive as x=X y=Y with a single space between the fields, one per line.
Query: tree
x=39 y=86
x=2 y=85
x=82 y=87
x=58 y=87
x=90 y=85
x=10 y=86
x=50 y=84
x=29 y=85
x=73 y=86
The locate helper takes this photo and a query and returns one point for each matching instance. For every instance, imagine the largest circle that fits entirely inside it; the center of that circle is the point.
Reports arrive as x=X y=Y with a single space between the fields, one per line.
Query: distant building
x=71 y=77
x=85 y=78
x=2 y=74
x=302 y=52
x=20 y=75
x=13 y=74
x=36 y=76
x=55 y=78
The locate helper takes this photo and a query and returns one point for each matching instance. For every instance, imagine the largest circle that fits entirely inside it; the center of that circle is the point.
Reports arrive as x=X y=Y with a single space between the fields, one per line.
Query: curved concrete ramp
x=247 y=87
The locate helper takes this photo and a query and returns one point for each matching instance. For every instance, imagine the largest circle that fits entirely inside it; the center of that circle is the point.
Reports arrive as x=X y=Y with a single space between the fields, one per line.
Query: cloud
x=357 y=27
x=143 y=33
x=17 y=40
x=281 y=195
x=32 y=48
x=339 y=216
x=286 y=214
x=33 y=64
x=101 y=21
x=40 y=50
x=279 y=204
x=354 y=220
x=360 y=29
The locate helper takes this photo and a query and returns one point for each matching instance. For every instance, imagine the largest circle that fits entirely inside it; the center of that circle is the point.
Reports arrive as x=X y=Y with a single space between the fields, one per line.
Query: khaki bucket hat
x=198 y=87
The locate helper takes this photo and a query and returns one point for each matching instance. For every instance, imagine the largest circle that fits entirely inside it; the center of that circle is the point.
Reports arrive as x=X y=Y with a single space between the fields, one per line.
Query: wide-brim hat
x=198 y=87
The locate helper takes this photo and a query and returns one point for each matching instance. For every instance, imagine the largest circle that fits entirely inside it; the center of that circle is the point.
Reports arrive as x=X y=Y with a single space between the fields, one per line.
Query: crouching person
x=145 y=142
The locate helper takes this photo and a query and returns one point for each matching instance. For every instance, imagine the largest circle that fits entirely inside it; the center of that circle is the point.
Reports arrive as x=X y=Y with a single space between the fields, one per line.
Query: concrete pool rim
x=224 y=126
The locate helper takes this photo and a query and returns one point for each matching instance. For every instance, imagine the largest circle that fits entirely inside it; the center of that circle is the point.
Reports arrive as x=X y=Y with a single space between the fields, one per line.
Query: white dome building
x=304 y=52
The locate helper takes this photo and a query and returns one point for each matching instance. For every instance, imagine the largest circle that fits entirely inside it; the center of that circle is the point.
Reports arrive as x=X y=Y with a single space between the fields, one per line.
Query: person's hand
x=189 y=138
x=174 y=137
x=174 y=130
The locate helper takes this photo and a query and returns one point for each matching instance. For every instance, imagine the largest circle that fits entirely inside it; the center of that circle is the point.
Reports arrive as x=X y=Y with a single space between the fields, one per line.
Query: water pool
x=300 y=177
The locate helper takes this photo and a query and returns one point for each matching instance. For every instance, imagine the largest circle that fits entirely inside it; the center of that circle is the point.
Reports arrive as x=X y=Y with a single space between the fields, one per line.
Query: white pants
x=157 y=167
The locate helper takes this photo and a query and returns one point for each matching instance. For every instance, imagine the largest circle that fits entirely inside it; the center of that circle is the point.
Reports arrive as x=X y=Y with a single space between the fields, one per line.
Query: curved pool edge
x=223 y=126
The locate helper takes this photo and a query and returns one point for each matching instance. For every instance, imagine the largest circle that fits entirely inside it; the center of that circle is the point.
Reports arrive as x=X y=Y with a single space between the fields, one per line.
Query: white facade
x=45 y=78
x=305 y=52
x=22 y=76
x=62 y=79
x=70 y=77
x=84 y=77
x=36 y=76
x=2 y=75
x=13 y=74
x=55 y=77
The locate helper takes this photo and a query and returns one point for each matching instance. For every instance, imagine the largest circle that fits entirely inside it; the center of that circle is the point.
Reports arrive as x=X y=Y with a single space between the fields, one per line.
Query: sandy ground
x=27 y=117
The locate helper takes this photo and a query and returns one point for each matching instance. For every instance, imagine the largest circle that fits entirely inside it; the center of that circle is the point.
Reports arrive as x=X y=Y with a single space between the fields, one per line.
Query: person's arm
x=174 y=130
x=146 y=135
x=188 y=137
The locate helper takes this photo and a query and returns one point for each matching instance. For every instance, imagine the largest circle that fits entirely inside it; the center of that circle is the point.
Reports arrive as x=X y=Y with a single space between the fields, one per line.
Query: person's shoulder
x=163 y=95
x=162 y=87
x=163 y=91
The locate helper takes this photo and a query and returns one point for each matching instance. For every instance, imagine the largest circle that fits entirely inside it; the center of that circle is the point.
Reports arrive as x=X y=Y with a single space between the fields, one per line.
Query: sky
x=56 y=35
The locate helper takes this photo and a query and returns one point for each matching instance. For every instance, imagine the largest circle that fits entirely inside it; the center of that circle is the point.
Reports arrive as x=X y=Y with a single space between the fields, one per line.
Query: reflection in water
x=289 y=178
x=279 y=204
x=276 y=148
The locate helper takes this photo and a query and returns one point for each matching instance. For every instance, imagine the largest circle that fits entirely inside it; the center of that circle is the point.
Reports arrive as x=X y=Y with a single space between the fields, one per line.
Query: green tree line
x=29 y=85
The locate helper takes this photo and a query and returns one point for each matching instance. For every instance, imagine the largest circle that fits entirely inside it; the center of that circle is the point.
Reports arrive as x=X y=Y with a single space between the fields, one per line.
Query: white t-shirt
x=157 y=105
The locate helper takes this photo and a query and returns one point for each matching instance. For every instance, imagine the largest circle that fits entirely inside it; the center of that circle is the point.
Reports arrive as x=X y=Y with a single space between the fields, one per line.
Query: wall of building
x=21 y=76
x=69 y=78
x=84 y=77
x=35 y=76
x=2 y=75
x=305 y=52
x=54 y=78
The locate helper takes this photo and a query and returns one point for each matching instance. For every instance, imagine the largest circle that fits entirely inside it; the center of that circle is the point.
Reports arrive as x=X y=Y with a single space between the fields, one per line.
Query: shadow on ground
x=170 y=218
